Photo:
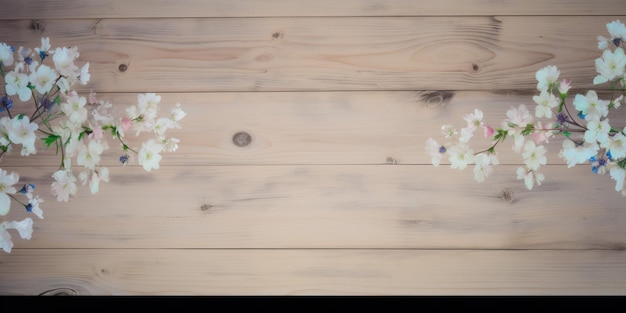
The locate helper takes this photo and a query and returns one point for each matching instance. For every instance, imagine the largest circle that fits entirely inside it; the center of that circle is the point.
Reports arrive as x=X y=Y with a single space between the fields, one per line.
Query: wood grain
x=367 y=272
x=328 y=189
x=343 y=207
x=43 y=9
x=297 y=54
x=320 y=127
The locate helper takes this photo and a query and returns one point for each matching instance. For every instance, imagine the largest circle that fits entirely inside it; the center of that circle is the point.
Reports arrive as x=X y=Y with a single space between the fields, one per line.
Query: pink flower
x=126 y=123
x=564 y=86
x=489 y=131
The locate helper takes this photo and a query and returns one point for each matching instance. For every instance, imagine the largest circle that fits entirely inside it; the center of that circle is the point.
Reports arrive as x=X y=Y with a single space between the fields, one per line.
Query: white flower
x=171 y=144
x=177 y=113
x=598 y=131
x=547 y=77
x=460 y=155
x=17 y=83
x=617 y=146
x=6 y=54
x=5 y=237
x=483 y=166
x=541 y=134
x=610 y=66
x=93 y=177
x=64 y=185
x=534 y=156
x=45 y=47
x=577 y=153
x=617 y=174
x=24 y=228
x=43 y=79
x=474 y=120
x=546 y=101
x=149 y=156
x=89 y=156
x=74 y=108
x=603 y=42
x=517 y=119
x=591 y=106
x=84 y=74
x=6 y=187
x=616 y=29
x=69 y=135
x=64 y=61
x=22 y=131
x=519 y=116
x=162 y=125
x=33 y=205
x=435 y=151
x=448 y=131
x=530 y=177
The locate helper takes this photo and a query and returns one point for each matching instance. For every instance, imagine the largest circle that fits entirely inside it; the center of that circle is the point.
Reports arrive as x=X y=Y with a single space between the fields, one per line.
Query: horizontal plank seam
x=350 y=249
x=313 y=16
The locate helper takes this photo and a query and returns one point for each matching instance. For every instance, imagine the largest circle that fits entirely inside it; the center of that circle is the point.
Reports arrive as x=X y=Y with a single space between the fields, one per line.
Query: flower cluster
x=589 y=137
x=53 y=114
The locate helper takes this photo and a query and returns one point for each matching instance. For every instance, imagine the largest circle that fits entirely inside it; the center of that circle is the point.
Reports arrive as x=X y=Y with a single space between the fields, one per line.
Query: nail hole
x=122 y=68
x=242 y=139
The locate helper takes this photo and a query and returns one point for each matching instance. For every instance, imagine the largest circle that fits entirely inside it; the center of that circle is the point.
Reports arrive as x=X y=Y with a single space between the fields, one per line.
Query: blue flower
x=124 y=158
x=562 y=118
x=46 y=103
x=42 y=54
x=27 y=188
x=5 y=103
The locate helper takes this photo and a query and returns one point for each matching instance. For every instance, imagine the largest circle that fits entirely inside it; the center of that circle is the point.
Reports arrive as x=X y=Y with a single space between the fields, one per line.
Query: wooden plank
x=342 y=207
x=312 y=272
x=323 y=54
x=43 y=9
x=318 y=127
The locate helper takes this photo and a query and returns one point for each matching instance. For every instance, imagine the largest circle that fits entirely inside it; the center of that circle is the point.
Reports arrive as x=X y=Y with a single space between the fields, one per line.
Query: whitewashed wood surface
x=334 y=195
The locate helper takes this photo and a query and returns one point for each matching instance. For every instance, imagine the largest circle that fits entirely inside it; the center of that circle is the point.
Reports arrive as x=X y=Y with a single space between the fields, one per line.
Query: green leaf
x=528 y=129
x=51 y=139
x=567 y=134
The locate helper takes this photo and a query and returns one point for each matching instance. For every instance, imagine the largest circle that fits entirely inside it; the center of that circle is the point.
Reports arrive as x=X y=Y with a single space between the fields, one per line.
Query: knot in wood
x=242 y=139
x=436 y=98
x=37 y=25
x=205 y=207
x=507 y=195
x=122 y=67
x=60 y=292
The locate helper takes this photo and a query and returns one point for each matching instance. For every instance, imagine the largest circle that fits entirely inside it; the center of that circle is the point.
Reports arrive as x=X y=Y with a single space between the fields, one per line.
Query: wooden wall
x=334 y=193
